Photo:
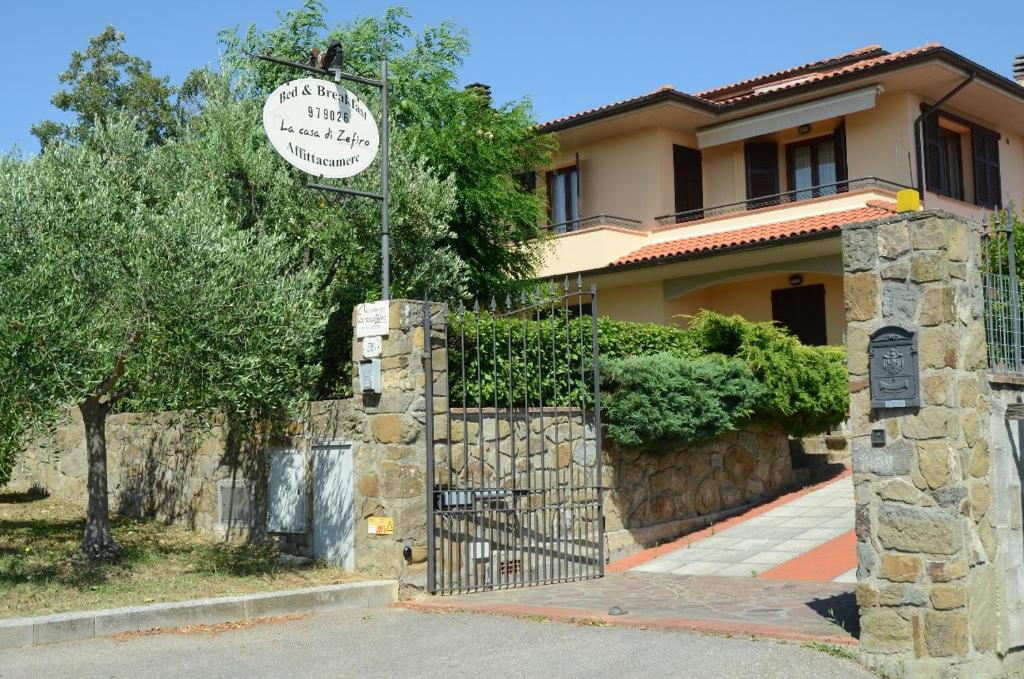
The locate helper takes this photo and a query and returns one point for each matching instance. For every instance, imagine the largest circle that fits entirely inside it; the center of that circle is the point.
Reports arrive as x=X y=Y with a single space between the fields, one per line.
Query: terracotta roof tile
x=777 y=84
x=850 y=62
x=862 y=53
x=757 y=234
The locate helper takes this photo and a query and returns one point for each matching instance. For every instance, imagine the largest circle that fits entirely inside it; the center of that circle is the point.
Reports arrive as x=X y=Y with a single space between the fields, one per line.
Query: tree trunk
x=98 y=542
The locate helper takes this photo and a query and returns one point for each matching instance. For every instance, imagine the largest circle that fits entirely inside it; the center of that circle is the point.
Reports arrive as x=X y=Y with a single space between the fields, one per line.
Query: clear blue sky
x=567 y=56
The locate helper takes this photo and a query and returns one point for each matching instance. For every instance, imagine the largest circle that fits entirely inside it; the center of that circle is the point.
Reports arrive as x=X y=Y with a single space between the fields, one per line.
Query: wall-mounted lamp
x=796 y=279
x=803 y=129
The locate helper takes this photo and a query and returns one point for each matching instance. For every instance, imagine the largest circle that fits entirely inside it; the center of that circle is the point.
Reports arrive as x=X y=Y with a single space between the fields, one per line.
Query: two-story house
x=733 y=199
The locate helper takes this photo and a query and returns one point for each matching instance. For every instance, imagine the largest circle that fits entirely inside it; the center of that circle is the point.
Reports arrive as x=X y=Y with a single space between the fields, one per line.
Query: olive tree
x=124 y=282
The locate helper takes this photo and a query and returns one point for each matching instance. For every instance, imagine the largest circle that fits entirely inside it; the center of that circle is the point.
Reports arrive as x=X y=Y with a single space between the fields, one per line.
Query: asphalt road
x=403 y=643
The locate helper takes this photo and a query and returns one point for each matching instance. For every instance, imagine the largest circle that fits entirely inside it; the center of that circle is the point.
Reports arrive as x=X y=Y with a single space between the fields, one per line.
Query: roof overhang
x=987 y=80
x=792 y=116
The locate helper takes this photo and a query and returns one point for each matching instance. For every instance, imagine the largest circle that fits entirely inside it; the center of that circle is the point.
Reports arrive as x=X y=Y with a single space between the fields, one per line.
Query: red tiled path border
x=824 y=563
x=633 y=560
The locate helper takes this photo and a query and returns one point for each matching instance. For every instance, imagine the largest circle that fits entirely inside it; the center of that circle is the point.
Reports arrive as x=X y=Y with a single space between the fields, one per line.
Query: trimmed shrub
x=662 y=400
x=806 y=388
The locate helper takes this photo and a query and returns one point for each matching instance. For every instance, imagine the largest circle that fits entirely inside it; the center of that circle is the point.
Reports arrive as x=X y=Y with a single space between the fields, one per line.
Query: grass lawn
x=41 y=571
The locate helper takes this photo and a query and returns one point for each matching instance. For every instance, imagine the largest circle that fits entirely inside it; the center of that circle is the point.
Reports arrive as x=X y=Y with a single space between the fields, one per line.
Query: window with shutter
x=842 y=173
x=762 y=173
x=686 y=165
x=988 y=191
x=932 y=154
x=563 y=199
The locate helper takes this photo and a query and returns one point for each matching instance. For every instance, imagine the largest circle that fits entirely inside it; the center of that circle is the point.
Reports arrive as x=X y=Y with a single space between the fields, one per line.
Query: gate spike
x=476 y=306
x=508 y=301
x=522 y=297
x=565 y=284
x=462 y=309
x=579 y=281
x=494 y=304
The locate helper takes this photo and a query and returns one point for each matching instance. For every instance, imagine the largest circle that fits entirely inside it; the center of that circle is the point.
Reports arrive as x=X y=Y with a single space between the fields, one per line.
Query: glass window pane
x=826 y=167
x=573 y=211
x=803 y=177
x=557 y=201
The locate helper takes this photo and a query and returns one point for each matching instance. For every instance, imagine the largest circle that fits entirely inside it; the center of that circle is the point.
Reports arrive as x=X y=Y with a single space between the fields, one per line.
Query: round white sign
x=321 y=128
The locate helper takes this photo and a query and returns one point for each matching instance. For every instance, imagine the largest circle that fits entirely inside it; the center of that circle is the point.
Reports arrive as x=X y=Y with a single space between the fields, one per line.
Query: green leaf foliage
x=124 y=276
x=806 y=388
x=547 y=360
x=665 y=400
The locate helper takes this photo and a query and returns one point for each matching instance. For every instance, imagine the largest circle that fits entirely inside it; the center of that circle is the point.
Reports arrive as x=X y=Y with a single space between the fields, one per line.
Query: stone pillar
x=390 y=453
x=928 y=578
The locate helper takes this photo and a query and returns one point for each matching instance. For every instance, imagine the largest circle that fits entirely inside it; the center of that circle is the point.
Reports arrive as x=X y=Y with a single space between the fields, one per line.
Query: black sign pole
x=385 y=226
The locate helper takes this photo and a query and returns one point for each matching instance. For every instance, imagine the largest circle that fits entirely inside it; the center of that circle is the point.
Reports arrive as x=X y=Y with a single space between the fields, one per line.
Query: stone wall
x=932 y=586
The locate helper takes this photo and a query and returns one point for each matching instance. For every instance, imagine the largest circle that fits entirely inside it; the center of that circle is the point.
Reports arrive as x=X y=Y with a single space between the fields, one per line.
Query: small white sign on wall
x=372 y=320
x=373 y=346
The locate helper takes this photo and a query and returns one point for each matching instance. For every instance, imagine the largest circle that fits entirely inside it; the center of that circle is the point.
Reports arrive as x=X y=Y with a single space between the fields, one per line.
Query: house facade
x=733 y=199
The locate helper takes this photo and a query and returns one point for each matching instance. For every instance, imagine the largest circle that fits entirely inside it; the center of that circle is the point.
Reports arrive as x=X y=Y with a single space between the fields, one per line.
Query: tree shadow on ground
x=839 y=609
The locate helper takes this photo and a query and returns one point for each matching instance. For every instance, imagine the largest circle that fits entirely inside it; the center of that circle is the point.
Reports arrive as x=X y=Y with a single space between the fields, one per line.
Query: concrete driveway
x=404 y=643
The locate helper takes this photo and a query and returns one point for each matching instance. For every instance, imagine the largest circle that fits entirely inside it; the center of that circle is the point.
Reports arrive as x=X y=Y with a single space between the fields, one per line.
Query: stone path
x=804 y=537
x=825 y=611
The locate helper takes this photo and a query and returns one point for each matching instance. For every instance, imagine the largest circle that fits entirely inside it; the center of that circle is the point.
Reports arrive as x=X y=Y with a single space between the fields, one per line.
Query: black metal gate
x=513 y=444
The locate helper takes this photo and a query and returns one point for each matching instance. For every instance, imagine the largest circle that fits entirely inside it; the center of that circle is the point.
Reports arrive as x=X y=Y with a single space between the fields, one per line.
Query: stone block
x=946 y=571
x=901 y=595
x=935 y=388
x=867 y=595
x=136 y=618
x=901 y=568
x=979 y=464
x=938 y=306
x=16 y=632
x=933 y=460
x=927 y=267
x=893 y=240
x=945 y=633
x=386 y=428
x=861 y=295
x=948 y=597
x=857 y=340
x=982 y=588
x=900 y=302
x=918 y=529
x=932 y=423
x=64 y=627
x=929 y=234
x=899 y=490
x=951 y=496
x=884 y=630
x=860 y=250
x=958 y=249
x=981 y=499
x=216 y=611
x=267 y=605
x=938 y=348
x=896 y=459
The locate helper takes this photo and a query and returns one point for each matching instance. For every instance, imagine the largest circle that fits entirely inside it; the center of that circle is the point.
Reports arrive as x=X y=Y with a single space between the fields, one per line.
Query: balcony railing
x=785 y=198
x=596 y=220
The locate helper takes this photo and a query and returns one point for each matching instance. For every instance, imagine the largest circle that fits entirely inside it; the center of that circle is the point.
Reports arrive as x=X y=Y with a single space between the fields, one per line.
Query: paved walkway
x=820 y=611
x=806 y=536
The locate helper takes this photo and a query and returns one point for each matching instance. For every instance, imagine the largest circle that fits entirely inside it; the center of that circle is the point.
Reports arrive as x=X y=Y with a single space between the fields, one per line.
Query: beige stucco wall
x=880 y=141
x=752 y=299
x=643 y=303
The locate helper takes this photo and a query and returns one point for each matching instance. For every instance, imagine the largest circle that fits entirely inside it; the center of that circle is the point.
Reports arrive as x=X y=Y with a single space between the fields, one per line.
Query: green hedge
x=661 y=400
x=548 y=362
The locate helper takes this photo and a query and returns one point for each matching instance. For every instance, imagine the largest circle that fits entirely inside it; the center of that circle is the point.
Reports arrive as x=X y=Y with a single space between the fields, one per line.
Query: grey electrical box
x=893 y=368
x=369 y=376
x=286 y=492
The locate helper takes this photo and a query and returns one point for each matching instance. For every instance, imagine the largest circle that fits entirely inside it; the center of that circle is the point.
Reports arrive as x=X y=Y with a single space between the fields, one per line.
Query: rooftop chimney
x=1018 y=69
x=482 y=88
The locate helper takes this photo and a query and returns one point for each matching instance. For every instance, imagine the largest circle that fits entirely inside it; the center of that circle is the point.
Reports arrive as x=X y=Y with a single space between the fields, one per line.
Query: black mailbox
x=892 y=366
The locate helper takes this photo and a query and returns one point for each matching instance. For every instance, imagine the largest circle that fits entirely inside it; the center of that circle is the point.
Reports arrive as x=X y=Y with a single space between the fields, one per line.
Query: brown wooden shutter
x=842 y=173
x=802 y=311
x=686 y=165
x=933 y=170
x=988 y=190
x=762 y=170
